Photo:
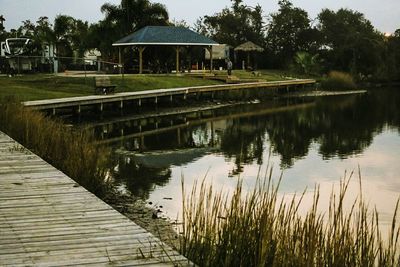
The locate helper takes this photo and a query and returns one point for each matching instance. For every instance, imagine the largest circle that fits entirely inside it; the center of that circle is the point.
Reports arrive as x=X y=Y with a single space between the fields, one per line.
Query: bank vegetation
x=260 y=228
x=70 y=150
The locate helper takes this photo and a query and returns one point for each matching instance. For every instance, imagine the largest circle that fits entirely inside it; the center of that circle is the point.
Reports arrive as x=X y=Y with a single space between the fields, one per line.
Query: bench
x=103 y=85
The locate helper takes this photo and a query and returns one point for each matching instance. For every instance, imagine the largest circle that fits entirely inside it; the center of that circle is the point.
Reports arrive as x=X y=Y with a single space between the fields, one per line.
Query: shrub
x=337 y=80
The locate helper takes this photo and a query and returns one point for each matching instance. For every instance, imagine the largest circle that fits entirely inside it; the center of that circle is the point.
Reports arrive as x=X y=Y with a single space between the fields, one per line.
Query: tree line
x=341 y=40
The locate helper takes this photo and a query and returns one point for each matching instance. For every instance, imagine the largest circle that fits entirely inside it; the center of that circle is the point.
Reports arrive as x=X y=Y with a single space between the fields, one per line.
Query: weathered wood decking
x=120 y=98
x=46 y=219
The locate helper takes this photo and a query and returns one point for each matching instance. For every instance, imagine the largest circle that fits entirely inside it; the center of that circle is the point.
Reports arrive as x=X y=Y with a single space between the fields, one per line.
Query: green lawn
x=267 y=75
x=34 y=87
x=30 y=87
x=41 y=86
x=148 y=82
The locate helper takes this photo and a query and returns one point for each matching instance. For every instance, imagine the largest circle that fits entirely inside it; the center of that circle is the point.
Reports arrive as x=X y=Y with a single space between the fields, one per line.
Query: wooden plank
x=49 y=222
x=93 y=253
x=26 y=213
x=68 y=233
x=112 y=252
x=118 y=260
x=53 y=228
x=44 y=245
x=46 y=219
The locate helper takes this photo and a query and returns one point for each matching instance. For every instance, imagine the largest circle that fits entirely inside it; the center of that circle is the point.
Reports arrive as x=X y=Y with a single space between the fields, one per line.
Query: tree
x=2 y=19
x=40 y=32
x=28 y=29
x=288 y=32
x=131 y=15
x=350 y=42
x=63 y=28
x=392 y=60
x=101 y=36
x=79 y=37
x=234 y=25
x=44 y=30
x=123 y=19
x=71 y=35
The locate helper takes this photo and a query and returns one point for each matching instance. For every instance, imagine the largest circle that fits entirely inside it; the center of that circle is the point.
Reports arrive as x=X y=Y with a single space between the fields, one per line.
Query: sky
x=384 y=14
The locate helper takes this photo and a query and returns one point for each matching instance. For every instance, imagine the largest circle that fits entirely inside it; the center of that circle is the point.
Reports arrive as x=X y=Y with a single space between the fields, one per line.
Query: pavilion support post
x=211 y=59
x=248 y=60
x=119 y=60
x=189 y=49
x=177 y=59
x=141 y=50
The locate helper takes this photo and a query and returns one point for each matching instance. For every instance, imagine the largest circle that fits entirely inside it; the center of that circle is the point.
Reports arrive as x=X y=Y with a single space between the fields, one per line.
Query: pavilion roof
x=249 y=46
x=165 y=35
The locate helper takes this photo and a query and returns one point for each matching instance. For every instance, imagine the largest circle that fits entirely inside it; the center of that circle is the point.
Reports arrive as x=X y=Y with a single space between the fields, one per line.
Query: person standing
x=229 y=66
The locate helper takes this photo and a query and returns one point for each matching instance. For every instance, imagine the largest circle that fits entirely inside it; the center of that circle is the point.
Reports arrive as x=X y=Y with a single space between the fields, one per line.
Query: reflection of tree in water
x=353 y=127
x=342 y=126
x=243 y=139
x=290 y=135
x=140 y=180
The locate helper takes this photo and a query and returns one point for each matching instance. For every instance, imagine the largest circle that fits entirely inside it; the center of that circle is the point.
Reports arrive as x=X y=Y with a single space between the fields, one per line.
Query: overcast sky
x=384 y=14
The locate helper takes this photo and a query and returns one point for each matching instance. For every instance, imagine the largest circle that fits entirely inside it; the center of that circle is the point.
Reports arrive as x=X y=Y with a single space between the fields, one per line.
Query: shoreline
x=138 y=211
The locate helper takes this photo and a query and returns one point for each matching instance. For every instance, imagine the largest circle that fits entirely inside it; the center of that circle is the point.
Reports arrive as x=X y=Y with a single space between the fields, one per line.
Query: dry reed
x=72 y=151
x=258 y=229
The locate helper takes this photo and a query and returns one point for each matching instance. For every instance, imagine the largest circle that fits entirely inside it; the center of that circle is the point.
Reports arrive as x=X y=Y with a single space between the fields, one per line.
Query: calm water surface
x=311 y=142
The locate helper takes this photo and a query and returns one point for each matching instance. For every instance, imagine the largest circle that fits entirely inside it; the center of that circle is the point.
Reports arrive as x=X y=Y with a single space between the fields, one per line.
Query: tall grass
x=72 y=151
x=337 y=80
x=258 y=229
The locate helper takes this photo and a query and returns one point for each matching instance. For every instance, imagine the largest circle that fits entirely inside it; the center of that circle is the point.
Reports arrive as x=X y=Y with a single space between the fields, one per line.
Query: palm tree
x=2 y=19
x=123 y=19
x=306 y=62
x=132 y=15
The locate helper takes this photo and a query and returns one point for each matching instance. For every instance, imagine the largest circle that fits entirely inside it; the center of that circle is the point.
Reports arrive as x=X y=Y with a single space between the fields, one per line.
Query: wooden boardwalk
x=46 y=219
x=120 y=98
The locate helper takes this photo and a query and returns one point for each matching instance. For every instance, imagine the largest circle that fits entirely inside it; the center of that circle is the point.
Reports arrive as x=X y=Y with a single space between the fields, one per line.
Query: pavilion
x=249 y=47
x=177 y=37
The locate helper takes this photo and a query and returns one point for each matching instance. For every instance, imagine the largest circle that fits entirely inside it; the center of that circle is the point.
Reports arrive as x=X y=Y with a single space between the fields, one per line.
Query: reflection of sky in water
x=379 y=165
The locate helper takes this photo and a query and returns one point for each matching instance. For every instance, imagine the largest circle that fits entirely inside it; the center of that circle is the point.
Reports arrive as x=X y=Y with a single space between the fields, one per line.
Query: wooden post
x=177 y=59
x=179 y=136
x=142 y=147
x=212 y=134
x=119 y=60
x=141 y=49
x=189 y=49
x=211 y=59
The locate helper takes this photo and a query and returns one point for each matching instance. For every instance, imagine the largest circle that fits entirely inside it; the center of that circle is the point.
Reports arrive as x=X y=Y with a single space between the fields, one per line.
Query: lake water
x=309 y=141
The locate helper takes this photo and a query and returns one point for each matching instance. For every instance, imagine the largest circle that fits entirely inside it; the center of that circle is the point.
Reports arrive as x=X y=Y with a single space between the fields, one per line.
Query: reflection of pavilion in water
x=183 y=131
x=147 y=147
x=333 y=127
x=192 y=129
